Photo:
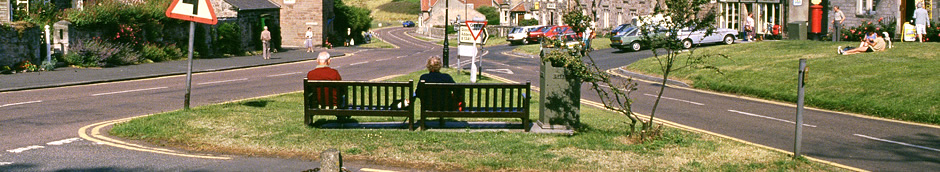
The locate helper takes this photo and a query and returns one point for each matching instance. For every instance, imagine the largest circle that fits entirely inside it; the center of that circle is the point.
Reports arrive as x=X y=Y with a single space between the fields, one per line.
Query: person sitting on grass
x=878 y=44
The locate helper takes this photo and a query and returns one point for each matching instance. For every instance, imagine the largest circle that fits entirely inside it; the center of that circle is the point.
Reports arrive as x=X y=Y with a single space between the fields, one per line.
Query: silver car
x=722 y=35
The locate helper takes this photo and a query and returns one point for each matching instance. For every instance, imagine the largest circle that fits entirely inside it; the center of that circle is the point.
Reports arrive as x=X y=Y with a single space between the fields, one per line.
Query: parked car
x=554 y=31
x=629 y=37
x=720 y=35
x=520 y=35
x=408 y=24
x=537 y=33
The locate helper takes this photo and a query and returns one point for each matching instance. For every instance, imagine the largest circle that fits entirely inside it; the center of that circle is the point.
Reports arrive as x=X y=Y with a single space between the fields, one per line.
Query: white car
x=722 y=35
x=518 y=35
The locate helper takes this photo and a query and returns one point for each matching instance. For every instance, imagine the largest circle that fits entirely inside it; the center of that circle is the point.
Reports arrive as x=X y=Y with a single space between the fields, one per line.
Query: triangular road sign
x=192 y=10
x=476 y=27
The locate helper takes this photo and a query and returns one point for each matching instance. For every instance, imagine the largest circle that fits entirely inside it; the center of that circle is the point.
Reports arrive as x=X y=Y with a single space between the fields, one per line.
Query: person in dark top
x=434 y=75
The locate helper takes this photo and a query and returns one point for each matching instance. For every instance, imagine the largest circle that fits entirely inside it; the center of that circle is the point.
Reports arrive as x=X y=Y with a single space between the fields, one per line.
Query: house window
x=730 y=16
x=864 y=7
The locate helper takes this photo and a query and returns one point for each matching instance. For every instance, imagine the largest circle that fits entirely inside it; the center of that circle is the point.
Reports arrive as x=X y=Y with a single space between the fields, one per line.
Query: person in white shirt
x=749 y=27
x=921 y=21
x=309 y=39
x=837 y=19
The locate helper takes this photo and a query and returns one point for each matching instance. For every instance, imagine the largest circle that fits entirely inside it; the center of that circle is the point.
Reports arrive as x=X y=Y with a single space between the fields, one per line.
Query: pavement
x=69 y=76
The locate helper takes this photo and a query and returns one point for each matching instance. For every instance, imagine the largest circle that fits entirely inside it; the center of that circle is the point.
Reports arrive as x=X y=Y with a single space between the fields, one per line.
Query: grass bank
x=900 y=83
x=377 y=43
x=394 y=11
x=273 y=126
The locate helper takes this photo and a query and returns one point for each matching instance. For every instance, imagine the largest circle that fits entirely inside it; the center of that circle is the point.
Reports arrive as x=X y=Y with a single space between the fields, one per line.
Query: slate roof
x=253 y=4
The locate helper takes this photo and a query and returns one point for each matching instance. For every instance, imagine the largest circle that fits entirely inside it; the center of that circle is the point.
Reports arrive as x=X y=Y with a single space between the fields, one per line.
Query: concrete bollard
x=331 y=161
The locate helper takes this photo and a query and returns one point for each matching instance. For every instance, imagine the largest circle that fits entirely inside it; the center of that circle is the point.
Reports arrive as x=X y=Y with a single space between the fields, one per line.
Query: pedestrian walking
x=749 y=27
x=921 y=21
x=266 y=43
x=837 y=20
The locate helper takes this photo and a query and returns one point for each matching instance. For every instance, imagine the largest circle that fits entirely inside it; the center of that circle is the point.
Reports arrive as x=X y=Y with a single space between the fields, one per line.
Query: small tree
x=614 y=95
x=491 y=14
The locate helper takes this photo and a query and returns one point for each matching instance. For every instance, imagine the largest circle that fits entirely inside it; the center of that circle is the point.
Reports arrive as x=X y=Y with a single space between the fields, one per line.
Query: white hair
x=323 y=57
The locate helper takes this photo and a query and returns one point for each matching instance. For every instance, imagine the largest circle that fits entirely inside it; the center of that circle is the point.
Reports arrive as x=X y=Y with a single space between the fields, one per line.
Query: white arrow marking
x=506 y=71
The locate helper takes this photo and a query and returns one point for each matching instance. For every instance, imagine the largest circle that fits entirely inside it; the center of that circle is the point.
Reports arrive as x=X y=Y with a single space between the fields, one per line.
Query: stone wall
x=295 y=19
x=886 y=9
x=18 y=46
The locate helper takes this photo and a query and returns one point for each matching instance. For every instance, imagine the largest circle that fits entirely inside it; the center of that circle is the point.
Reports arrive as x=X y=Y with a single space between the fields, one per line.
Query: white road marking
x=65 y=141
x=767 y=117
x=20 y=103
x=669 y=98
x=505 y=71
x=18 y=150
x=127 y=91
x=359 y=63
x=5 y=163
x=897 y=142
x=381 y=60
x=216 y=82
x=283 y=74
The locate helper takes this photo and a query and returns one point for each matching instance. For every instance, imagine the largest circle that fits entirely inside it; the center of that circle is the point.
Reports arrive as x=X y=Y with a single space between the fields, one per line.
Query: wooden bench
x=474 y=100
x=357 y=98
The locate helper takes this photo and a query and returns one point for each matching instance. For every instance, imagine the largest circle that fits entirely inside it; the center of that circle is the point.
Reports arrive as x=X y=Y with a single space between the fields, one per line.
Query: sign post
x=797 y=142
x=475 y=28
x=192 y=11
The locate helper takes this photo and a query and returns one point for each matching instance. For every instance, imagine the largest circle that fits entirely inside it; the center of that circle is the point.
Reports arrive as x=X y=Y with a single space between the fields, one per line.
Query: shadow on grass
x=257 y=103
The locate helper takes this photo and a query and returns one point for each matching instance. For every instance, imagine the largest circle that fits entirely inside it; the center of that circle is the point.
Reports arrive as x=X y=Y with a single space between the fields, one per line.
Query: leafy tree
x=350 y=17
x=678 y=14
x=491 y=14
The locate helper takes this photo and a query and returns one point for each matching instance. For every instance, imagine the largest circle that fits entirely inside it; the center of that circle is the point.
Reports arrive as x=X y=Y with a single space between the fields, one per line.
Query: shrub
x=230 y=40
x=858 y=32
x=492 y=15
x=528 y=22
x=933 y=32
x=97 y=53
x=154 y=53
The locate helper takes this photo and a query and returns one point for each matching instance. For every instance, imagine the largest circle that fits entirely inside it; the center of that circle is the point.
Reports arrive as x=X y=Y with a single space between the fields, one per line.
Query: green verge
x=273 y=126
x=390 y=10
x=377 y=43
x=900 y=83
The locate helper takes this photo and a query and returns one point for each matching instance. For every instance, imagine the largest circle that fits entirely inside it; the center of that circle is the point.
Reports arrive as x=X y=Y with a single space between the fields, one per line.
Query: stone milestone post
x=559 y=97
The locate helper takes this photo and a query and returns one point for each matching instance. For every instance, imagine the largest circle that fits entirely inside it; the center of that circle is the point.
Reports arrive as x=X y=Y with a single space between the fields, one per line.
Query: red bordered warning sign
x=476 y=27
x=200 y=11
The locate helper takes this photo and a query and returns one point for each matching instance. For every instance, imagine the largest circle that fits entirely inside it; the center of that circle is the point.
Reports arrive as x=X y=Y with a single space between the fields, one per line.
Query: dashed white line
x=359 y=63
x=283 y=74
x=127 y=91
x=5 y=163
x=767 y=117
x=65 y=141
x=669 y=98
x=897 y=142
x=216 y=82
x=381 y=60
x=18 y=150
x=20 y=103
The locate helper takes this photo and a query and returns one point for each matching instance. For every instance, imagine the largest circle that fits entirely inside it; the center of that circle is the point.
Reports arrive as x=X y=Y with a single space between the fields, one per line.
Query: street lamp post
x=446 y=56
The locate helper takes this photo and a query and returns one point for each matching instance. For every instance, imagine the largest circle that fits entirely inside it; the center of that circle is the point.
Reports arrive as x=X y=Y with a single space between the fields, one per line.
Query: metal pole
x=48 y=45
x=799 y=110
x=189 y=70
x=473 y=63
x=446 y=56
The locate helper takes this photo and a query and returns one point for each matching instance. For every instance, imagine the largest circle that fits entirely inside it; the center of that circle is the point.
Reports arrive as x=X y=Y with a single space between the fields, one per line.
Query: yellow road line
x=782 y=103
x=98 y=138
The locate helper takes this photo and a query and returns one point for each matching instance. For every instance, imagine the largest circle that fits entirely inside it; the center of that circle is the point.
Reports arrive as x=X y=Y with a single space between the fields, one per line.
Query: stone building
x=6 y=14
x=251 y=16
x=297 y=15
x=610 y=14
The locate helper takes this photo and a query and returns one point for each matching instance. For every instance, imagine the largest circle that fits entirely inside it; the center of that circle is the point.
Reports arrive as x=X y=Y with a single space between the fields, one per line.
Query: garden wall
x=16 y=47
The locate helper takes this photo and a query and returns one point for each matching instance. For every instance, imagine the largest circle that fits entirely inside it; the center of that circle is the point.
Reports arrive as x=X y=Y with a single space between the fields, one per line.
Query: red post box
x=816 y=19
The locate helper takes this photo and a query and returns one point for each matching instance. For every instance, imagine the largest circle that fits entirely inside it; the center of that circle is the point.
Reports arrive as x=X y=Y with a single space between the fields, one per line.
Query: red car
x=549 y=32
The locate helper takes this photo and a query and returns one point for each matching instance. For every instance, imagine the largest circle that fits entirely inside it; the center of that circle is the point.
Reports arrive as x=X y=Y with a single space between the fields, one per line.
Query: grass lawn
x=394 y=11
x=901 y=83
x=273 y=126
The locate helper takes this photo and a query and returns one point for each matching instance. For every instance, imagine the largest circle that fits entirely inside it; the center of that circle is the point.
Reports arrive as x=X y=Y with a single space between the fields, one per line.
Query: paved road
x=39 y=126
x=862 y=142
